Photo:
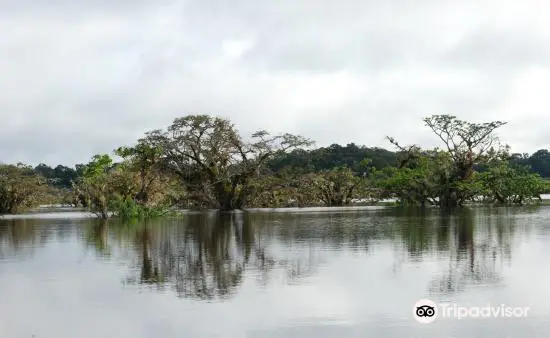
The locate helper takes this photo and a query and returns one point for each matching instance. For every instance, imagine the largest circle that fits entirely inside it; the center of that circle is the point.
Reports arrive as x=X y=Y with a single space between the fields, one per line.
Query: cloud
x=85 y=77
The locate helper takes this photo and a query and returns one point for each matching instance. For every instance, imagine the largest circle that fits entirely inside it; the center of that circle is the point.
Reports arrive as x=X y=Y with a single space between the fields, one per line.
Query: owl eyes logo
x=425 y=311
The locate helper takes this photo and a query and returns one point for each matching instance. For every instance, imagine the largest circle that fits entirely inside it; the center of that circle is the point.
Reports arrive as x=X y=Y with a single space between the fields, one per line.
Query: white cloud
x=84 y=78
x=236 y=48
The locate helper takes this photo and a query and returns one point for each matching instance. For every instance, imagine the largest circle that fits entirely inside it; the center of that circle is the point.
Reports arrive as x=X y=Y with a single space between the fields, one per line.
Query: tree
x=214 y=162
x=468 y=144
x=272 y=192
x=419 y=179
x=142 y=186
x=145 y=161
x=337 y=187
x=96 y=185
x=20 y=188
x=510 y=185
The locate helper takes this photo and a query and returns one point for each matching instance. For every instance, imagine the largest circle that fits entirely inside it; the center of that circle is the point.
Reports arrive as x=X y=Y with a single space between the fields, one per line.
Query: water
x=314 y=273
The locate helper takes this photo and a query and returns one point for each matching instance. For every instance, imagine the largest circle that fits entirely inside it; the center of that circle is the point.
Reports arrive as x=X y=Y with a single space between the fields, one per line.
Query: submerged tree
x=337 y=187
x=95 y=186
x=419 y=178
x=468 y=144
x=509 y=185
x=214 y=162
x=151 y=185
x=20 y=188
x=130 y=189
x=273 y=191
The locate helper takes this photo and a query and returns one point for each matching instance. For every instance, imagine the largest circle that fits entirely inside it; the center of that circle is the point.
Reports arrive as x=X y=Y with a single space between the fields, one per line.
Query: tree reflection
x=202 y=256
x=207 y=256
x=472 y=243
x=478 y=247
x=211 y=263
x=97 y=237
x=20 y=238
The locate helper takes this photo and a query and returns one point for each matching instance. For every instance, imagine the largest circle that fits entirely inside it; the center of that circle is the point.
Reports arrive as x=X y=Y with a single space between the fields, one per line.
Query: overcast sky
x=83 y=77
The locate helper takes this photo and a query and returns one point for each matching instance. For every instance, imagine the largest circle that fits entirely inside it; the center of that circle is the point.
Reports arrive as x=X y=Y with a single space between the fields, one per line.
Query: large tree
x=468 y=144
x=214 y=161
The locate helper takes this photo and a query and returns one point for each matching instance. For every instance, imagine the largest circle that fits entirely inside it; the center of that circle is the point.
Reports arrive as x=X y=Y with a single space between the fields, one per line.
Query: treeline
x=200 y=161
x=317 y=160
x=311 y=160
x=60 y=176
x=538 y=162
x=333 y=156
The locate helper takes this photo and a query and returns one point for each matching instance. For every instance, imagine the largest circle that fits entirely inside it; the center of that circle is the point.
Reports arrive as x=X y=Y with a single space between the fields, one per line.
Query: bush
x=128 y=208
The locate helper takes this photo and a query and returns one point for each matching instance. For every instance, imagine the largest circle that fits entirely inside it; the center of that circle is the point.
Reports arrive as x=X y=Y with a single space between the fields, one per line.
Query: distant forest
x=317 y=160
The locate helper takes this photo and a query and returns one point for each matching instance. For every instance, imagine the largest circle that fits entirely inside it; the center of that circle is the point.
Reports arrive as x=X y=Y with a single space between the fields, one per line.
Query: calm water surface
x=317 y=273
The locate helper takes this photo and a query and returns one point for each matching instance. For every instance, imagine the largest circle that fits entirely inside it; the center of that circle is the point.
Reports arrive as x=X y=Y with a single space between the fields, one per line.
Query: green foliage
x=466 y=145
x=411 y=186
x=271 y=191
x=59 y=177
x=132 y=189
x=509 y=185
x=99 y=165
x=202 y=161
x=337 y=187
x=127 y=208
x=420 y=179
x=95 y=188
x=213 y=162
x=538 y=162
x=144 y=164
x=327 y=158
x=287 y=188
x=431 y=176
x=20 y=188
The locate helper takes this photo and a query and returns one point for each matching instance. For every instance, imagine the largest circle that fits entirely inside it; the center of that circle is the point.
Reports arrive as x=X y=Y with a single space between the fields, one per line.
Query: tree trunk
x=449 y=199
x=227 y=198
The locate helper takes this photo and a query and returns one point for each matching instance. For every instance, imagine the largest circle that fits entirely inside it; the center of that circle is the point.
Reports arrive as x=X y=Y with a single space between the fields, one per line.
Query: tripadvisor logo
x=426 y=311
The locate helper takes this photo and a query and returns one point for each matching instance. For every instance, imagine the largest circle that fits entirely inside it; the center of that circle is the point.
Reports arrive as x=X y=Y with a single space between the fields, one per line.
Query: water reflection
x=21 y=238
x=206 y=256
x=279 y=274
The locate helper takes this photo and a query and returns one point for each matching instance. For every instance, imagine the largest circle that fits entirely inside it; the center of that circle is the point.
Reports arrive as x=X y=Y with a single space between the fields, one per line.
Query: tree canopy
x=214 y=162
x=202 y=161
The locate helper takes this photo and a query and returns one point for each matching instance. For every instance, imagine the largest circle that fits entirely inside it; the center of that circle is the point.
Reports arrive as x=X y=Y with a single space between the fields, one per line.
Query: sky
x=84 y=77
